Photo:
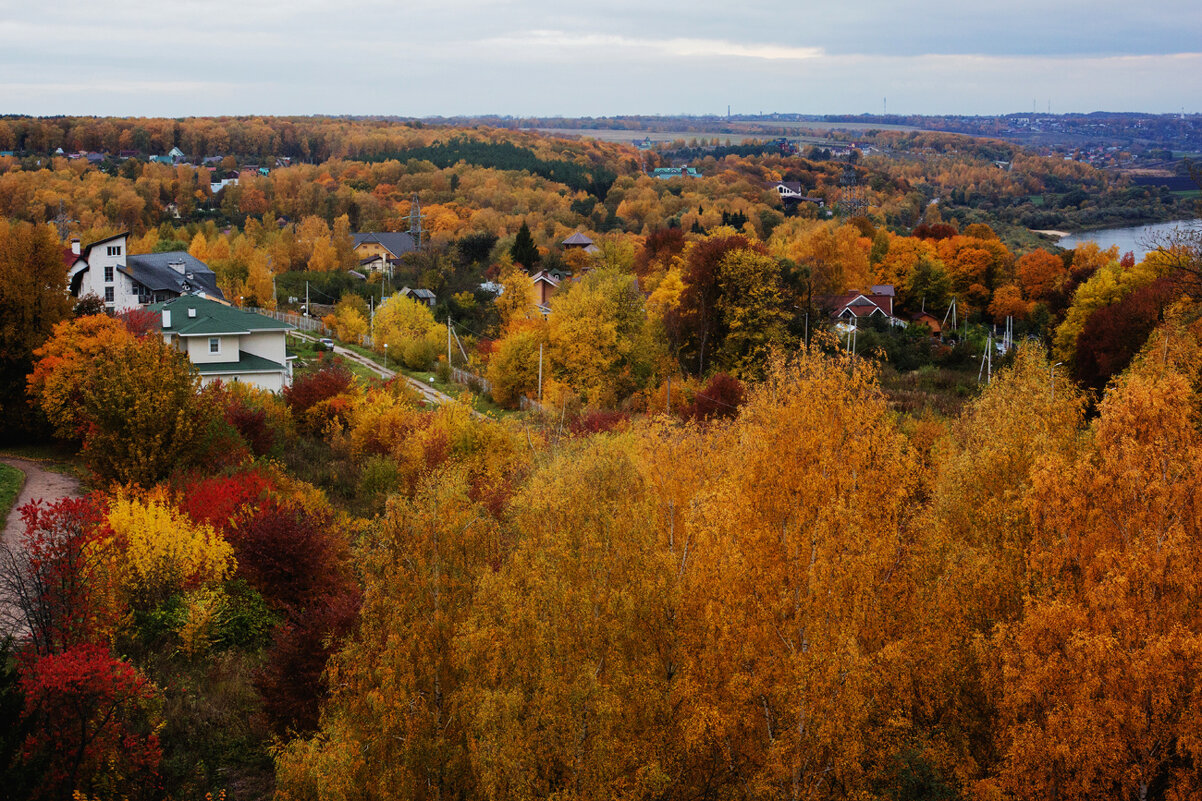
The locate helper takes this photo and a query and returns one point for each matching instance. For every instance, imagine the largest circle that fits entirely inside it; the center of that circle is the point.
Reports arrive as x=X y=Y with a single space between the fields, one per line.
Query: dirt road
x=40 y=483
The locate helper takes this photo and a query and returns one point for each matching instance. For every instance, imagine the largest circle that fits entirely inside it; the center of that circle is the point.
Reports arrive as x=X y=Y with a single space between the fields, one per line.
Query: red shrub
x=217 y=501
x=300 y=563
x=720 y=397
x=309 y=389
x=90 y=724
x=1114 y=334
x=595 y=421
x=49 y=577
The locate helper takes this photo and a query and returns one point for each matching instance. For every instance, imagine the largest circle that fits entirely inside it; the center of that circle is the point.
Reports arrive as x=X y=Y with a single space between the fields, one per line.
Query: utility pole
x=415 y=222
x=540 y=373
x=307 y=312
x=669 y=394
x=448 y=341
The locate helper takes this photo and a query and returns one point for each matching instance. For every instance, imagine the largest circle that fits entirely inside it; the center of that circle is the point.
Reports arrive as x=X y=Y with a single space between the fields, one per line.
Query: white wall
x=198 y=349
x=266 y=344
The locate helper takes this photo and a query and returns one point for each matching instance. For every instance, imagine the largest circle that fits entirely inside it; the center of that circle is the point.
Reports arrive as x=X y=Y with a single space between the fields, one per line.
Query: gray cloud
x=539 y=57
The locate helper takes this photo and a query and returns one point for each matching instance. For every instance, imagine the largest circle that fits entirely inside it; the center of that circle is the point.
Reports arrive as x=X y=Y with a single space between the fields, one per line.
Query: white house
x=125 y=282
x=226 y=343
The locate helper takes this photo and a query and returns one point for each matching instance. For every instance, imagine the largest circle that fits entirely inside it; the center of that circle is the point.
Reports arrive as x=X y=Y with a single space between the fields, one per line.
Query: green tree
x=524 y=251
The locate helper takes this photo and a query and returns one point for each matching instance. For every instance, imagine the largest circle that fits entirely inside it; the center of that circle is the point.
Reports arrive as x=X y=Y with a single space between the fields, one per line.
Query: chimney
x=178 y=266
x=192 y=312
x=166 y=318
x=75 y=245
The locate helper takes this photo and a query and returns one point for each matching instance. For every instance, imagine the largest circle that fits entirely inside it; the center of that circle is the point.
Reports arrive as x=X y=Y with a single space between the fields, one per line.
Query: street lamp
x=385 y=355
x=1052 y=378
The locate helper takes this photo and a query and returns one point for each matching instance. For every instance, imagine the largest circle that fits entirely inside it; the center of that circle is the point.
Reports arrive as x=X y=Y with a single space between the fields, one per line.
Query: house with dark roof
x=793 y=192
x=382 y=248
x=104 y=268
x=580 y=241
x=423 y=296
x=226 y=343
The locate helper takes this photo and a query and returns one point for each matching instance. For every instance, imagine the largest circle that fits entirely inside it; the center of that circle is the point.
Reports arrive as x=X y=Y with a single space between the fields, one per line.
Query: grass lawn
x=479 y=402
x=11 y=480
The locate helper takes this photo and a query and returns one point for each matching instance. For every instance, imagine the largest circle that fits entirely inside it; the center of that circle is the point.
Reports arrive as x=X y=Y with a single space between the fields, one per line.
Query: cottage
x=225 y=343
x=542 y=288
x=423 y=296
x=382 y=248
x=854 y=307
x=105 y=269
x=665 y=173
x=792 y=192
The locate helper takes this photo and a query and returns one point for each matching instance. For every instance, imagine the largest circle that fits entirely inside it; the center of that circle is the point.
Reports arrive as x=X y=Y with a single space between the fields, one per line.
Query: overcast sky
x=605 y=57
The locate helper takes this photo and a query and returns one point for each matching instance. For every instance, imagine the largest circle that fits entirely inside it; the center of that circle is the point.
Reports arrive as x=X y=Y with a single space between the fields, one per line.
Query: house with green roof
x=226 y=343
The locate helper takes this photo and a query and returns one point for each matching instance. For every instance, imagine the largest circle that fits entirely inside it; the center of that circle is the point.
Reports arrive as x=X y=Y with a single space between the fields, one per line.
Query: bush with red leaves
x=218 y=500
x=300 y=563
x=91 y=728
x=596 y=421
x=721 y=397
x=1113 y=334
x=309 y=389
x=139 y=322
x=935 y=231
x=46 y=579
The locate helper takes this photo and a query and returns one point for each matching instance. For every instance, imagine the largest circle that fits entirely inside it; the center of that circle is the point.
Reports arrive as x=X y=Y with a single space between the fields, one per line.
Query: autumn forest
x=682 y=527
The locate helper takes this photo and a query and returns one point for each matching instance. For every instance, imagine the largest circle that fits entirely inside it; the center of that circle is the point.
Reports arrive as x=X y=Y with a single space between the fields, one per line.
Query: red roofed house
x=876 y=302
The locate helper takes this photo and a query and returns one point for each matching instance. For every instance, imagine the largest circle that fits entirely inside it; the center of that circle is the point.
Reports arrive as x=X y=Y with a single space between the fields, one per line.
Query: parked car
x=325 y=343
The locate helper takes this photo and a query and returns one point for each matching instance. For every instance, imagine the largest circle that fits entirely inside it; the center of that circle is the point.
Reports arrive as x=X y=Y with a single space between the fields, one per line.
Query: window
x=114 y=250
x=108 y=275
x=214 y=345
x=108 y=294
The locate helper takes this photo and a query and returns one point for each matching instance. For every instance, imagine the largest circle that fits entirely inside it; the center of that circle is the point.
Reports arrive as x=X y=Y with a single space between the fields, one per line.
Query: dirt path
x=40 y=483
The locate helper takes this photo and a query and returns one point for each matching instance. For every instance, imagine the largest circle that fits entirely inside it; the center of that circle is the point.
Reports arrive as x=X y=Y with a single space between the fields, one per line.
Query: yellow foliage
x=161 y=549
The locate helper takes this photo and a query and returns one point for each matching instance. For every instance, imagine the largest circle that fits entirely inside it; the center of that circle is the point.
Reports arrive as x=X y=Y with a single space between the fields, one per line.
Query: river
x=1134 y=238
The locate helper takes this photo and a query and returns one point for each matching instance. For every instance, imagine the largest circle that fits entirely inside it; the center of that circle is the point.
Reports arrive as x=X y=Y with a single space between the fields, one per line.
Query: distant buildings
x=665 y=173
x=380 y=251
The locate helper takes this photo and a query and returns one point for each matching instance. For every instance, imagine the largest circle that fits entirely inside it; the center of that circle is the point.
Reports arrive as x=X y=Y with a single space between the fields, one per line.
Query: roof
x=860 y=304
x=424 y=294
x=578 y=239
x=154 y=271
x=672 y=172
x=213 y=318
x=247 y=363
x=86 y=250
x=543 y=275
x=395 y=243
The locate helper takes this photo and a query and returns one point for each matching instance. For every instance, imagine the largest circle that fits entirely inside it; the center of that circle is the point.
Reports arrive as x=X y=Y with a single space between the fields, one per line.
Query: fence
x=525 y=403
x=301 y=323
x=470 y=379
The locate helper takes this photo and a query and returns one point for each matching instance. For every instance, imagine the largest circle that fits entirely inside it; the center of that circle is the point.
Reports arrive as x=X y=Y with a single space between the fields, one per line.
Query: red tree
x=1114 y=334
x=46 y=579
x=90 y=724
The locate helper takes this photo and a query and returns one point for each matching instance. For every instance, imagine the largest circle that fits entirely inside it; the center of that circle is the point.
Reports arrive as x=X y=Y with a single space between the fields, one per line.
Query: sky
x=174 y=58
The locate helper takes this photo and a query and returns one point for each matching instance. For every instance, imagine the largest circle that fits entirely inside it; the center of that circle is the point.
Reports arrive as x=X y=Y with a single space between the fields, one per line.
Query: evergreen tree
x=524 y=251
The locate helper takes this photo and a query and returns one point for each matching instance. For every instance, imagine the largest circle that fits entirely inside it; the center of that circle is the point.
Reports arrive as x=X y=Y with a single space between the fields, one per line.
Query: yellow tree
x=801 y=586
x=568 y=653
x=394 y=728
x=1104 y=672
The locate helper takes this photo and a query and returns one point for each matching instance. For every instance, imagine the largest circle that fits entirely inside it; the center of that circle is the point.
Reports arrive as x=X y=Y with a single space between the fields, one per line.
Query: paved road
x=40 y=484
